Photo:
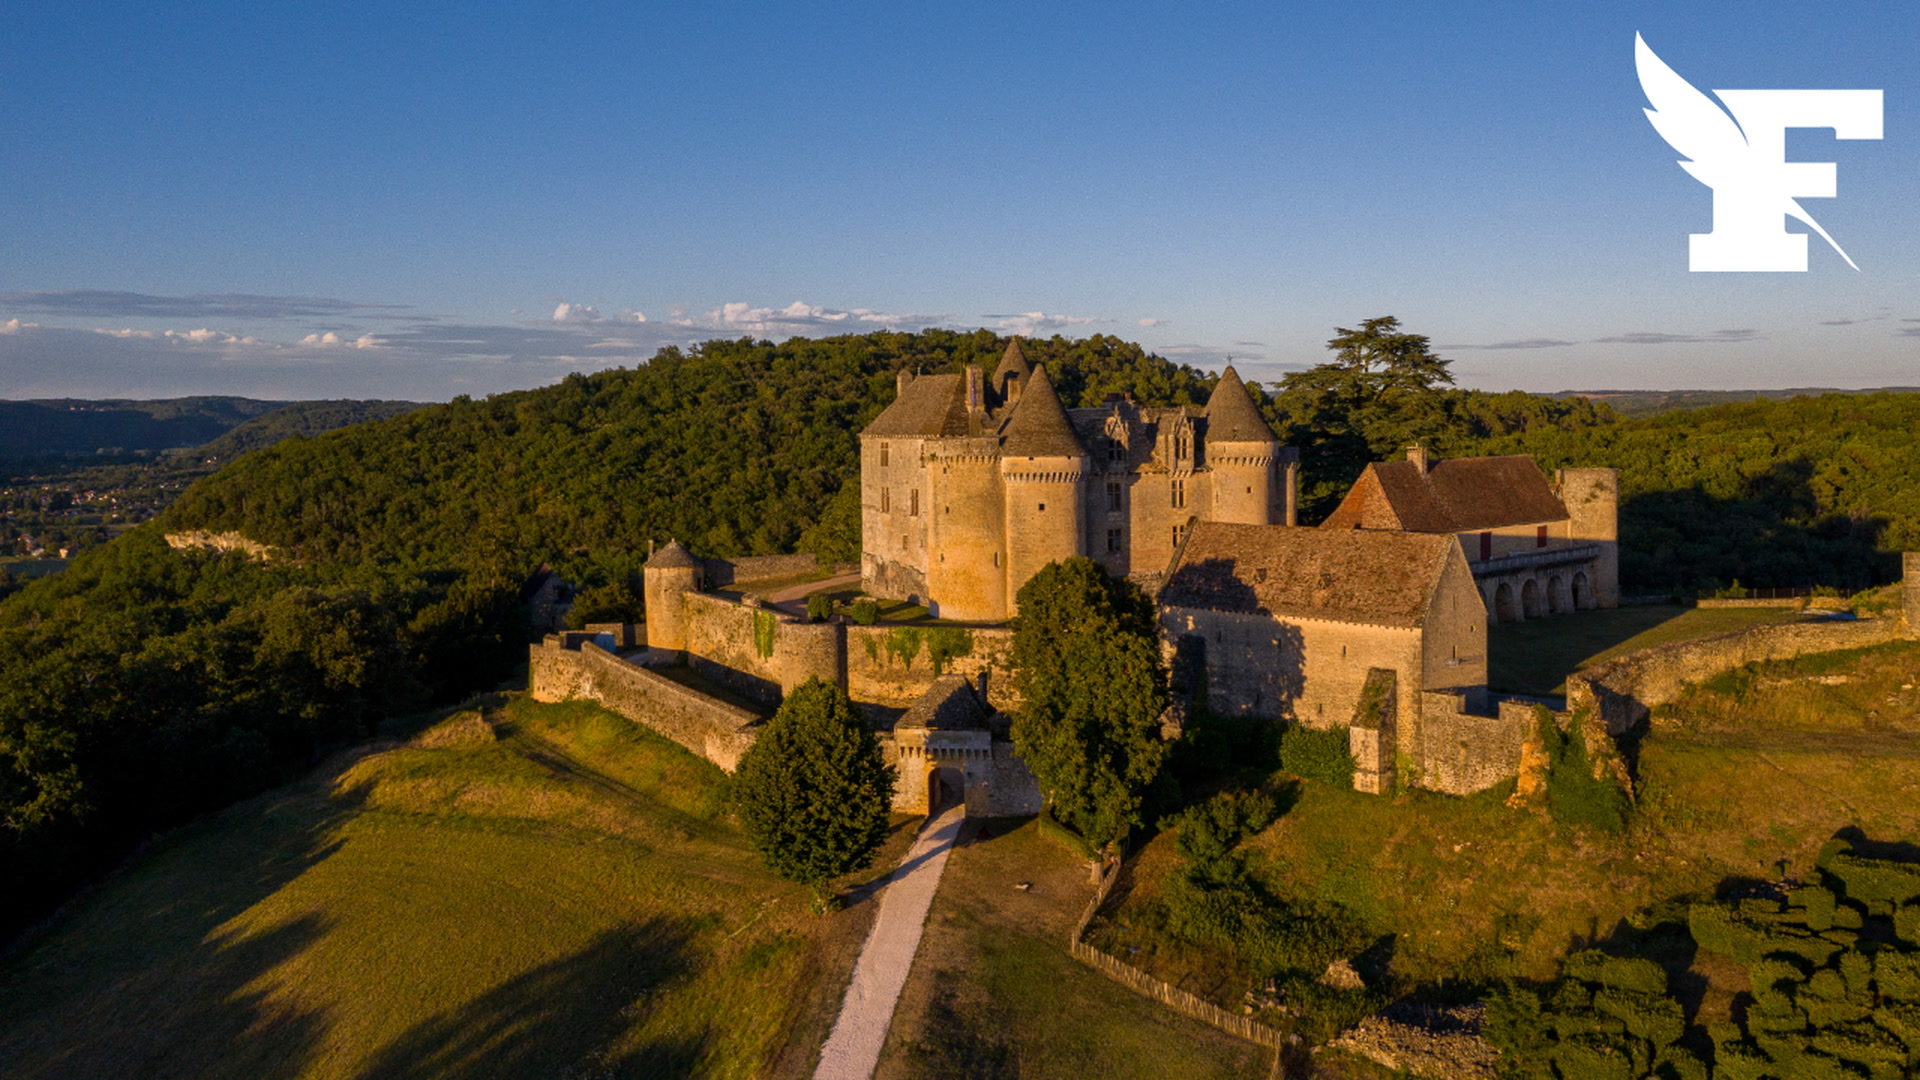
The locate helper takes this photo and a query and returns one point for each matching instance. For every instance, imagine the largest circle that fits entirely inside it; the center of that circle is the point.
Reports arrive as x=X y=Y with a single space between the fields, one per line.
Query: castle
x=1375 y=622
x=969 y=485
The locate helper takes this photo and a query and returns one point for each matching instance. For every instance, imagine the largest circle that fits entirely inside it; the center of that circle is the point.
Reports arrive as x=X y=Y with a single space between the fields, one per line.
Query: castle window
x=886 y=501
x=1113 y=541
x=1179 y=494
x=1113 y=495
x=915 y=505
x=883 y=455
x=996 y=559
x=1043 y=506
x=1179 y=532
x=1182 y=446
x=1486 y=545
x=1116 y=452
x=903 y=543
x=1540 y=536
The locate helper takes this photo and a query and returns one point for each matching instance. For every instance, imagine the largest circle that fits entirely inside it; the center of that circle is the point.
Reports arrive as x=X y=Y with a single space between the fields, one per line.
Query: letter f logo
x=1743 y=158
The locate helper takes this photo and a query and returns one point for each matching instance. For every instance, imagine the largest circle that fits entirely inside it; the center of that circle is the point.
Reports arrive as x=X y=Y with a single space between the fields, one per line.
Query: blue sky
x=418 y=201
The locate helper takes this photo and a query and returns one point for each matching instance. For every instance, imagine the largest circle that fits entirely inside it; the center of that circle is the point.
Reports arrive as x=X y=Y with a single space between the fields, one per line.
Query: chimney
x=1418 y=455
x=974 y=401
x=983 y=689
x=900 y=382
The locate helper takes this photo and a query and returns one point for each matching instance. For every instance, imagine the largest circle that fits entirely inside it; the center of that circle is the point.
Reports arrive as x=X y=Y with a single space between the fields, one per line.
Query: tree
x=1380 y=392
x=1087 y=664
x=814 y=791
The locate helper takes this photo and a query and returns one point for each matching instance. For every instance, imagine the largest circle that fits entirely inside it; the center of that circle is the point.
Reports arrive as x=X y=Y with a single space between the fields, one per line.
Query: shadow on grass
x=562 y=1018
x=151 y=948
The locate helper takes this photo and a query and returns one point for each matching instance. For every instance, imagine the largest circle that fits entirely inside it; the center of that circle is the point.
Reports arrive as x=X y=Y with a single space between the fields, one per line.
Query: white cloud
x=579 y=313
x=1028 y=324
x=14 y=326
x=331 y=340
x=202 y=336
x=1153 y=322
x=800 y=318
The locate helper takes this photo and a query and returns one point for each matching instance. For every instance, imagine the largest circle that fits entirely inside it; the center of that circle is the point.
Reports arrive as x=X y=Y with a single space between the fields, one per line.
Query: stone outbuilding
x=1536 y=548
x=952 y=747
x=1327 y=628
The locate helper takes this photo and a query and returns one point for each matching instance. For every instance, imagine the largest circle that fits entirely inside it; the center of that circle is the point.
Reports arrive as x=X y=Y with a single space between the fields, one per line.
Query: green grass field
x=1743 y=780
x=555 y=893
x=1536 y=656
x=994 y=992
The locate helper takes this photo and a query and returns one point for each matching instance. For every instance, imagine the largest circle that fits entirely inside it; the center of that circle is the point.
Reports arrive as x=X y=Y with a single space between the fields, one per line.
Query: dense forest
x=144 y=685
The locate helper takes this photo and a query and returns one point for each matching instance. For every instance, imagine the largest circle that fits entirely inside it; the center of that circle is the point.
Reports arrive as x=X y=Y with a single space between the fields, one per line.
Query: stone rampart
x=723 y=572
x=704 y=725
x=1624 y=691
x=894 y=665
x=1462 y=751
x=760 y=652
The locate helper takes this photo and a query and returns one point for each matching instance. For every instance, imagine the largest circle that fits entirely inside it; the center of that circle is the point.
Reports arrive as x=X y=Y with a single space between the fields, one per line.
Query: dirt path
x=792 y=599
x=853 y=1049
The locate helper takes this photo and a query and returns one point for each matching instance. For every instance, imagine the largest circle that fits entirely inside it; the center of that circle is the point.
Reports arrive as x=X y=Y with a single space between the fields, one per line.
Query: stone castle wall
x=760 y=652
x=560 y=668
x=894 y=665
x=1462 y=751
x=1624 y=691
x=723 y=572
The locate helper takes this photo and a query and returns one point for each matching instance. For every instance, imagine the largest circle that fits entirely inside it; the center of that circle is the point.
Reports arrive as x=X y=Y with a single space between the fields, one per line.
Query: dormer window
x=1116 y=452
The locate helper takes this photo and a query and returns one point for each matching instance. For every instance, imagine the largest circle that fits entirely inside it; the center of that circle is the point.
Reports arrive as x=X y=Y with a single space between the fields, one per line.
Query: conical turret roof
x=1231 y=415
x=1039 y=427
x=1014 y=364
x=673 y=557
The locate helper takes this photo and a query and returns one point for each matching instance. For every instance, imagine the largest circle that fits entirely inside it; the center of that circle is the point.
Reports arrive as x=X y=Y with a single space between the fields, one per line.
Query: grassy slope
x=1747 y=776
x=994 y=992
x=566 y=898
x=1536 y=656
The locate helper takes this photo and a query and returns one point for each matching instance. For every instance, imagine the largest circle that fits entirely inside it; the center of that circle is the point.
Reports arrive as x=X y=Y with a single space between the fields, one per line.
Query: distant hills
x=1636 y=403
x=71 y=426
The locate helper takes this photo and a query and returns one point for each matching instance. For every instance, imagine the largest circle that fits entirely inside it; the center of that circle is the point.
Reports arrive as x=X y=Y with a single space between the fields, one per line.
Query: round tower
x=1242 y=455
x=1042 y=463
x=670 y=573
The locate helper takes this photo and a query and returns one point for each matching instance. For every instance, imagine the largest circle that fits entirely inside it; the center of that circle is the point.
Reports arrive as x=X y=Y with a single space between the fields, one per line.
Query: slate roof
x=672 y=557
x=950 y=704
x=1379 y=578
x=1013 y=363
x=1039 y=426
x=930 y=406
x=1454 y=495
x=1231 y=414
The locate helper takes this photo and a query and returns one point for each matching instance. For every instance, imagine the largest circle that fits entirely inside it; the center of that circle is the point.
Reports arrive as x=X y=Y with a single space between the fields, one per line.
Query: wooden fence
x=1167 y=994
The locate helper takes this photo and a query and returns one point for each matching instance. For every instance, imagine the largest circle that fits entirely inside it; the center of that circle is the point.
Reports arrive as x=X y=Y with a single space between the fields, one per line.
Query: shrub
x=1210 y=830
x=1575 y=796
x=865 y=611
x=819 y=607
x=1313 y=754
x=613 y=602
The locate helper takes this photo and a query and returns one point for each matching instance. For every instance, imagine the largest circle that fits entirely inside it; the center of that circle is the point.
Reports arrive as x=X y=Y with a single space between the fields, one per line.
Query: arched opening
x=1504 y=605
x=1530 y=605
x=946 y=787
x=1582 y=592
x=1557 y=602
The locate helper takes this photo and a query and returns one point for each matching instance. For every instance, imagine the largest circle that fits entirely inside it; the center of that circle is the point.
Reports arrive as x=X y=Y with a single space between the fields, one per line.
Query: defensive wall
x=1624 y=691
x=749 y=568
x=572 y=666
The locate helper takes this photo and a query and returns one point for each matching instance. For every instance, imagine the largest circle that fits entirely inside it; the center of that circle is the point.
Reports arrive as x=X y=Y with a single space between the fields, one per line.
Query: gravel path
x=793 y=598
x=853 y=1049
